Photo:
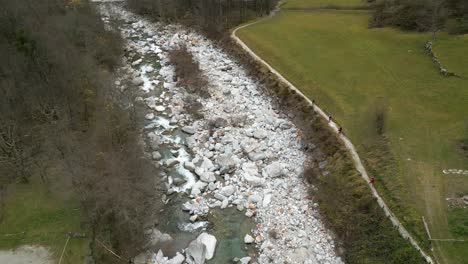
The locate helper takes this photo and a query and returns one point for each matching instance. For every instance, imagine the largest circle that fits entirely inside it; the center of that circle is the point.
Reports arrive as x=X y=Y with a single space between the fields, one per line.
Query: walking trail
x=346 y=141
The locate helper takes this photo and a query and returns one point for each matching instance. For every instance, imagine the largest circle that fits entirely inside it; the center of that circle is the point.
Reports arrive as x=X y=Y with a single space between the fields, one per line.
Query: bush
x=457 y=25
x=188 y=72
x=363 y=230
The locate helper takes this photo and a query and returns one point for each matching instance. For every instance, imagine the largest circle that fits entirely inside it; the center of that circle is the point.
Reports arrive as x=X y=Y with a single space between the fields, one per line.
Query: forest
x=421 y=15
x=212 y=16
x=62 y=121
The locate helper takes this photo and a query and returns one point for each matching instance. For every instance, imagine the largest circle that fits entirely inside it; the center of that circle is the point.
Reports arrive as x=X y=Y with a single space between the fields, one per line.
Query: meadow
x=356 y=74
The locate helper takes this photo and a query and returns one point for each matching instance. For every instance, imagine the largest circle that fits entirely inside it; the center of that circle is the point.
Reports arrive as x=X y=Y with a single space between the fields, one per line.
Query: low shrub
x=188 y=72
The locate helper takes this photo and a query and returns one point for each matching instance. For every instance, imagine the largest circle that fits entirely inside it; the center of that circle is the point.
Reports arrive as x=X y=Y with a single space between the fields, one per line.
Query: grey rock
x=219 y=196
x=227 y=190
x=189 y=166
x=156 y=155
x=224 y=204
x=187 y=206
x=170 y=162
x=157 y=236
x=198 y=187
x=177 y=259
x=149 y=116
x=189 y=130
x=196 y=251
x=220 y=122
x=137 y=81
x=250 y=168
x=137 y=62
x=245 y=260
x=260 y=134
x=257 y=156
x=208 y=177
x=255 y=198
x=199 y=171
x=248 y=239
x=285 y=125
x=209 y=241
x=212 y=186
x=266 y=200
x=226 y=163
x=207 y=164
x=179 y=181
x=274 y=170
x=190 y=142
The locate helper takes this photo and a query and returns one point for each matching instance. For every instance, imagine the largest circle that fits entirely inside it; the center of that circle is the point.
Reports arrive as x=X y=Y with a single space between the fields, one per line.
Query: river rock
x=198 y=187
x=157 y=236
x=189 y=130
x=227 y=190
x=179 y=181
x=189 y=166
x=245 y=260
x=274 y=170
x=260 y=134
x=254 y=180
x=250 y=168
x=212 y=186
x=226 y=163
x=219 y=196
x=254 y=156
x=190 y=142
x=210 y=244
x=170 y=162
x=149 y=116
x=248 y=146
x=255 y=198
x=207 y=164
x=248 y=239
x=208 y=177
x=266 y=200
x=159 y=108
x=220 y=122
x=137 y=81
x=137 y=62
x=224 y=203
x=196 y=252
x=177 y=259
x=156 y=155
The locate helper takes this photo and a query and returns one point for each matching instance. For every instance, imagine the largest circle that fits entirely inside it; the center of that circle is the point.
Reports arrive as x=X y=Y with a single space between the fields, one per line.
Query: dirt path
x=26 y=255
x=346 y=141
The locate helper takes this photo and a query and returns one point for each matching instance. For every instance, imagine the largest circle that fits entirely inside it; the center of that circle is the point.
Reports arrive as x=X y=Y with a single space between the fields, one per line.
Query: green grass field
x=350 y=71
x=321 y=3
x=35 y=215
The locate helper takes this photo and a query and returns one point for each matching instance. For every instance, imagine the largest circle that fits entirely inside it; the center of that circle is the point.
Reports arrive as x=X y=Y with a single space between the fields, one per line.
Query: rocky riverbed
x=243 y=156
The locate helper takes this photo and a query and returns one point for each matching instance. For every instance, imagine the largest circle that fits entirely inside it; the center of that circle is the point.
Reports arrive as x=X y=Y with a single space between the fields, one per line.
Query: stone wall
x=436 y=61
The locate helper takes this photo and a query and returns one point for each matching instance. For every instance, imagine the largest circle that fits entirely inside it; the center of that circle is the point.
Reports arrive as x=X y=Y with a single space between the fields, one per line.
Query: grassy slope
x=316 y=3
x=347 y=68
x=448 y=49
x=44 y=218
